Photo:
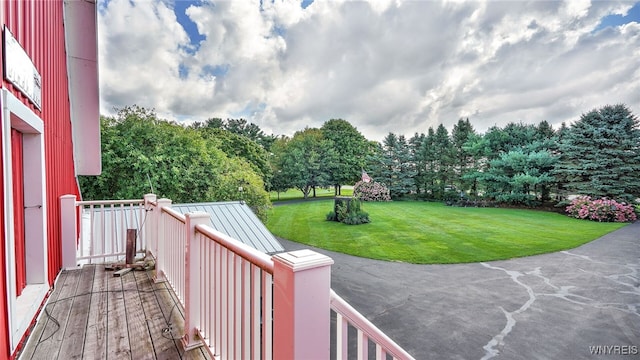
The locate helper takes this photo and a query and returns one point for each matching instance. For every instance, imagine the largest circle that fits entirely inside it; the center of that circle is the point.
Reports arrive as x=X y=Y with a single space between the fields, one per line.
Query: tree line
x=518 y=164
x=142 y=153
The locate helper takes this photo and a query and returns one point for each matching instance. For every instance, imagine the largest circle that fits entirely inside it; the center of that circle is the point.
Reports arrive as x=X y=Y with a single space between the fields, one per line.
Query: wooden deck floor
x=93 y=315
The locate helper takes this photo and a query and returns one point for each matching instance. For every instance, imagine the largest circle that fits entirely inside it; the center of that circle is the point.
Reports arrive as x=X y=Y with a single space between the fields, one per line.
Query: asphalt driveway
x=565 y=305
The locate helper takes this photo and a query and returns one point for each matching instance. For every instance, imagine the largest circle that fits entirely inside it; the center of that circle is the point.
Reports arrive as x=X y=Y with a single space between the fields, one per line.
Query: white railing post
x=161 y=245
x=192 y=273
x=151 y=224
x=69 y=231
x=301 y=304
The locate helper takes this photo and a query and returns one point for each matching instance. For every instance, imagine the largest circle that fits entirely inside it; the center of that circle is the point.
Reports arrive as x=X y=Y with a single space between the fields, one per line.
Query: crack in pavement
x=631 y=275
x=490 y=350
x=564 y=293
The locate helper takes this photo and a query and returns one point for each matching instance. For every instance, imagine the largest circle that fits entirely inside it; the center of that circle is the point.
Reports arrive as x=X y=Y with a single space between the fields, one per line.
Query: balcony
x=203 y=294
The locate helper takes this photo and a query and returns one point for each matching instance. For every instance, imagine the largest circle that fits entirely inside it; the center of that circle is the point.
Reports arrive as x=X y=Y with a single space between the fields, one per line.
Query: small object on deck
x=121 y=272
x=131 y=246
x=141 y=264
x=113 y=267
x=149 y=265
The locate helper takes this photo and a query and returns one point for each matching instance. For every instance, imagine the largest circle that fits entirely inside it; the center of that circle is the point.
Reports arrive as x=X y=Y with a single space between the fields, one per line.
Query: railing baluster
x=342 y=340
x=117 y=232
x=80 y=236
x=224 y=344
x=93 y=251
x=363 y=345
x=142 y=238
x=380 y=355
x=218 y=298
x=205 y=283
x=102 y=231
x=255 y=311
x=267 y=315
x=246 y=309
x=231 y=302
x=233 y=298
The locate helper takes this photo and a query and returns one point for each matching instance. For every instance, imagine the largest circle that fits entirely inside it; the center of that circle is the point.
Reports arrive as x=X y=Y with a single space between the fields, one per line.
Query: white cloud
x=385 y=66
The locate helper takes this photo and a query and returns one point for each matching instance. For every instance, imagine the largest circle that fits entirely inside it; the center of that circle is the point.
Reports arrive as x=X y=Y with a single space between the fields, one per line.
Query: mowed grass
x=432 y=233
x=293 y=194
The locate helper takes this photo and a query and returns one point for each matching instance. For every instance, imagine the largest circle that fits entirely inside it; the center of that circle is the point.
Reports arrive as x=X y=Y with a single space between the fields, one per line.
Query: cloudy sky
x=383 y=65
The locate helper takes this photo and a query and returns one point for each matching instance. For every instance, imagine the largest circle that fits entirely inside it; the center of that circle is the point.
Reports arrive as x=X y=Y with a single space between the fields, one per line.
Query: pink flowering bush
x=371 y=191
x=603 y=210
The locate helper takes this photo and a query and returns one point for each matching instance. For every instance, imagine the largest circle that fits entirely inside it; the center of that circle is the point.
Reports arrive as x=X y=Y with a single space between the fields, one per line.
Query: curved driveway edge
x=578 y=304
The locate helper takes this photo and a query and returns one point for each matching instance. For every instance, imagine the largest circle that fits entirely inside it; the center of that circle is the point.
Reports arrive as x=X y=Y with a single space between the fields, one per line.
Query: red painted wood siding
x=17 y=167
x=38 y=27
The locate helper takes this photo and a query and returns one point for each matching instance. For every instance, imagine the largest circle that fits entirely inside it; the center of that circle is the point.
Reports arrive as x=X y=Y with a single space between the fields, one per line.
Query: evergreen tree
x=600 y=154
x=406 y=166
x=428 y=153
x=462 y=159
x=519 y=177
x=398 y=169
x=416 y=145
x=442 y=165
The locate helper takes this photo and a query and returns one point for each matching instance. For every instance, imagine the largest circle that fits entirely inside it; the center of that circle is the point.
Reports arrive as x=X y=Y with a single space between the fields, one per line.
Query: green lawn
x=293 y=194
x=432 y=233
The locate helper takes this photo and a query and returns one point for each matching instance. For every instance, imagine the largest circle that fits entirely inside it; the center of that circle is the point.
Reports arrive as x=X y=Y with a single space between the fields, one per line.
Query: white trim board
x=23 y=308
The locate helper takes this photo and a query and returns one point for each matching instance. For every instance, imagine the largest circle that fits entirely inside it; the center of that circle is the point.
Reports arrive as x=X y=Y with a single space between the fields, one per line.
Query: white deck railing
x=231 y=294
x=367 y=334
x=172 y=255
x=103 y=229
x=236 y=309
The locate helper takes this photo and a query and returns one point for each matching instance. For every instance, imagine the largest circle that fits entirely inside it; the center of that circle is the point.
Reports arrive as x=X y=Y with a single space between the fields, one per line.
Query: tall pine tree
x=600 y=154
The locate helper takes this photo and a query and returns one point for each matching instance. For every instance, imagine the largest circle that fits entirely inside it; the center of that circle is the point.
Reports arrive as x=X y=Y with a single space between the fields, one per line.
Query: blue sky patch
x=183 y=71
x=616 y=20
x=215 y=70
x=189 y=26
x=249 y=110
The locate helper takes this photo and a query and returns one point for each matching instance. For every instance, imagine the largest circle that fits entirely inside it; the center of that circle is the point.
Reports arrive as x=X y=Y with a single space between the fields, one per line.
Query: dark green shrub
x=348 y=211
x=357 y=218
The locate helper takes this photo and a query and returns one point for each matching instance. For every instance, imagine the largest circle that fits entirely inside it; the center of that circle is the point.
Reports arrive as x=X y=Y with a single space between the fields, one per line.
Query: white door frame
x=23 y=308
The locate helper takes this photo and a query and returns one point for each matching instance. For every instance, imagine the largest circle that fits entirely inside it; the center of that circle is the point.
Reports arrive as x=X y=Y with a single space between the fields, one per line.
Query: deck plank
x=164 y=347
x=118 y=346
x=76 y=329
x=56 y=316
x=170 y=306
x=95 y=344
x=106 y=317
x=139 y=336
x=37 y=333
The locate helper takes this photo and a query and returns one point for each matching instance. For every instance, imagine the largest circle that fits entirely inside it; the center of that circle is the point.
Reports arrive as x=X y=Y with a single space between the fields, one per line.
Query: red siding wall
x=38 y=27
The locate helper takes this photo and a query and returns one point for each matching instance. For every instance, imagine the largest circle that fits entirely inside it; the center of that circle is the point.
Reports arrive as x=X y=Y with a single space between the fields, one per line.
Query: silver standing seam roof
x=237 y=220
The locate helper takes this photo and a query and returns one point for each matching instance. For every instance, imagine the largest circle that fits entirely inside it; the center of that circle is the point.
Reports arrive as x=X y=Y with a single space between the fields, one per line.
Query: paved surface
x=554 y=306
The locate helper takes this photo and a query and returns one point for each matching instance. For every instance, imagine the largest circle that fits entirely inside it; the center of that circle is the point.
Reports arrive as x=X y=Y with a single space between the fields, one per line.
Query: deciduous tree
x=351 y=152
x=142 y=153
